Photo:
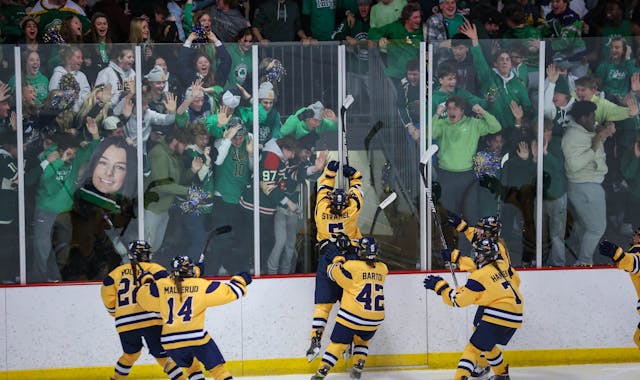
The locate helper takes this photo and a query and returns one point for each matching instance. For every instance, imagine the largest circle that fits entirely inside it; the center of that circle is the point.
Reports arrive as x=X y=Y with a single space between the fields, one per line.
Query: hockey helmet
x=341 y=240
x=368 y=248
x=491 y=227
x=139 y=250
x=182 y=266
x=485 y=251
x=339 y=201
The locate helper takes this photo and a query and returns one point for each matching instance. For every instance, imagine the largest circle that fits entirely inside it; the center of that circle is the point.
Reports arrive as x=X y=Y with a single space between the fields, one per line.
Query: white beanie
x=266 y=91
x=156 y=75
x=317 y=109
x=230 y=99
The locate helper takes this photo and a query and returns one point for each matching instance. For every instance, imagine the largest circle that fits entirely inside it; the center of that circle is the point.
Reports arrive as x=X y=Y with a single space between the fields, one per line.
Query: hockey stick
x=434 y=212
x=386 y=202
x=346 y=103
x=505 y=158
x=214 y=232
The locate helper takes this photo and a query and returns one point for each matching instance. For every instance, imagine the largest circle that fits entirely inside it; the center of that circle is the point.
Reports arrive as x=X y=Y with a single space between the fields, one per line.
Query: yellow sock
x=495 y=359
x=220 y=372
x=467 y=361
x=320 y=316
x=124 y=364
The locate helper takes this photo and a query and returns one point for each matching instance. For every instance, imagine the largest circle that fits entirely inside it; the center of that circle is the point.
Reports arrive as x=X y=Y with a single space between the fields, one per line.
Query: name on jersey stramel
x=326 y=216
x=185 y=289
x=371 y=276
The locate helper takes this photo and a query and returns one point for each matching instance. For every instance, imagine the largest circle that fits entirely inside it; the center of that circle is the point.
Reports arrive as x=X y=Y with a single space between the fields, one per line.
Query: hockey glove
x=333 y=166
x=456 y=222
x=450 y=255
x=348 y=171
x=145 y=278
x=611 y=250
x=245 y=276
x=435 y=283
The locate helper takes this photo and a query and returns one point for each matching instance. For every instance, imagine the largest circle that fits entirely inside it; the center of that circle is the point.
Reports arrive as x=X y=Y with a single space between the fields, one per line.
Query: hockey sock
x=469 y=357
x=170 y=368
x=636 y=336
x=220 y=372
x=331 y=355
x=320 y=316
x=124 y=364
x=360 y=349
x=494 y=357
x=194 y=372
x=482 y=361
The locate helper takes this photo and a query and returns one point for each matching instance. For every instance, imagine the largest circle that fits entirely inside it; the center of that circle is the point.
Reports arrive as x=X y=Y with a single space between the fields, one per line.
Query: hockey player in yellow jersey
x=182 y=300
x=628 y=261
x=132 y=322
x=495 y=287
x=336 y=217
x=361 y=306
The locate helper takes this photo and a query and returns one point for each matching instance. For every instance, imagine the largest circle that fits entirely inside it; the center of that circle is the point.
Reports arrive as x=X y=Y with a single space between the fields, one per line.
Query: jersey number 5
x=372 y=300
x=185 y=310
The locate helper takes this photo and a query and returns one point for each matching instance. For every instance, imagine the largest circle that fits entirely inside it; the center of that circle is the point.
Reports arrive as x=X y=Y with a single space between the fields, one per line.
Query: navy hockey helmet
x=341 y=240
x=139 y=250
x=182 y=266
x=339 y=201
x=368 y=248
x=485 y=251
x=491 y=227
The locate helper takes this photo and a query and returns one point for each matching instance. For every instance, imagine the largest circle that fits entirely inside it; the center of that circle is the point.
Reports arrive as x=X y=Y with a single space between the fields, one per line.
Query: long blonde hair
x=135 y=30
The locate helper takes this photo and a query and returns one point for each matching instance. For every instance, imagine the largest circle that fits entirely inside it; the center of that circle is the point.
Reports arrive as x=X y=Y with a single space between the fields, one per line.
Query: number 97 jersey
x=362 y=303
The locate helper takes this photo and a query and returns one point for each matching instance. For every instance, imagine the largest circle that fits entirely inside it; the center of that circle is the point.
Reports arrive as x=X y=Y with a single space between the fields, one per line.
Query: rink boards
x=570 y=317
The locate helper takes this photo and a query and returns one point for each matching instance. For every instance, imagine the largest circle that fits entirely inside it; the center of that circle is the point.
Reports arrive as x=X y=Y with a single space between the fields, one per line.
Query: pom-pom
x=275 y=72
x=52 y=35
x=486 y=163
x=197 y=202
x=202 y=34
x=68 y=83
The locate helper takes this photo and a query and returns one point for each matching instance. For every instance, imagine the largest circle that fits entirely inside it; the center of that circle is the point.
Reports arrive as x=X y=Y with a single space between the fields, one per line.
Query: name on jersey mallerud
x=371 y=276
x=185 y=289
x=326 y=216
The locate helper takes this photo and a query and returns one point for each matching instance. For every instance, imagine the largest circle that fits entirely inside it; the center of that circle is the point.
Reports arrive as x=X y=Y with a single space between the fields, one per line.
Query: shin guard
x=496 y=361
x=467 y=362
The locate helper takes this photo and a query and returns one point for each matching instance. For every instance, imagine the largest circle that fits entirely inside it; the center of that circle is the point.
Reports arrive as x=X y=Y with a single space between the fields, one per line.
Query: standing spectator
x=9 y=258
x=240 y=52
x=630 y=168
x=52 y=220
x=50 y=13
x=166 y=181
x=119 y=74
x=278 y=21
x=386 y=11
x=140 y=34
x=226 y=19
x=173 y=84
x=585 y=165
x=233 y=169
x=615 y=73
x=97 y=54
x=409 y=102
x=71 y=30
x=442 y=26
x=458 y=136
x=165 y=29
x=467 y=75
x=198 y=64
x=321 y=15
x=557 y=100
x=402 y=39
x=33 y=76
x=564 y=26
x=195 y=108
x=308 y=119
x=118 y=21
x=69 y=77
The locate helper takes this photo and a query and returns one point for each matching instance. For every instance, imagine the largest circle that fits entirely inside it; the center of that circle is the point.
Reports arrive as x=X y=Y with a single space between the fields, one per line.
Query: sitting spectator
x=585 y=164
x=277 y=21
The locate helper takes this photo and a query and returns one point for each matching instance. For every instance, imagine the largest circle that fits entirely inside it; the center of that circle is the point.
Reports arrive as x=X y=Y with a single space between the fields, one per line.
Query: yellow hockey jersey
x=117 y=296
x=630 y=262
x=183 y=314
x=328 y=223
x=362 y=303
x=497 y=291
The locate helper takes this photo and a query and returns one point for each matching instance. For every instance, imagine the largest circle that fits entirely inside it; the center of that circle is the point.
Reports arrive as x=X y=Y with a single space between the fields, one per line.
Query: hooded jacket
x=117 y=77
x=85 y=89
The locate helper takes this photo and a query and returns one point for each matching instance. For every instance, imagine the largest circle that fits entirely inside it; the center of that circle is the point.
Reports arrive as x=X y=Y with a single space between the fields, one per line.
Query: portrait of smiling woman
x=103 y=210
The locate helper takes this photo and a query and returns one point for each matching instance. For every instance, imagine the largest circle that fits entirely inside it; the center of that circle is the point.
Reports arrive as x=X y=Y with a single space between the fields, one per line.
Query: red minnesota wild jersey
x=362 y=303
x=118 y=298
x=497 y=290
x=183 y=314
x=347 y=222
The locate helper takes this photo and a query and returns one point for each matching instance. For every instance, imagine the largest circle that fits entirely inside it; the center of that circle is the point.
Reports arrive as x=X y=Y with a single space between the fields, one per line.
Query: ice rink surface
x=627 y=371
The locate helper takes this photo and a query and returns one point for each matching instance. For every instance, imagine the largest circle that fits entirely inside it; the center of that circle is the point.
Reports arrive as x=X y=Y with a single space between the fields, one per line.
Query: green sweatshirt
x=403 y=46
x=458 y=142
x=298 y=128
x=39 y=82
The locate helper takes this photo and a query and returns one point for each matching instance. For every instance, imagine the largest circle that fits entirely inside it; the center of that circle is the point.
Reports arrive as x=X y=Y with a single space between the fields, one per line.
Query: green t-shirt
x=323 y=14
x=240 y=66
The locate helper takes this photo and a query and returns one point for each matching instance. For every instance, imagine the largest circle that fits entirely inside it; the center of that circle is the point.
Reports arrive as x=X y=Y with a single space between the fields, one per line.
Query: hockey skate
x=500 y=377
x=480 y=373
x=314 y=348
x=321 y=374
x=356 y=371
